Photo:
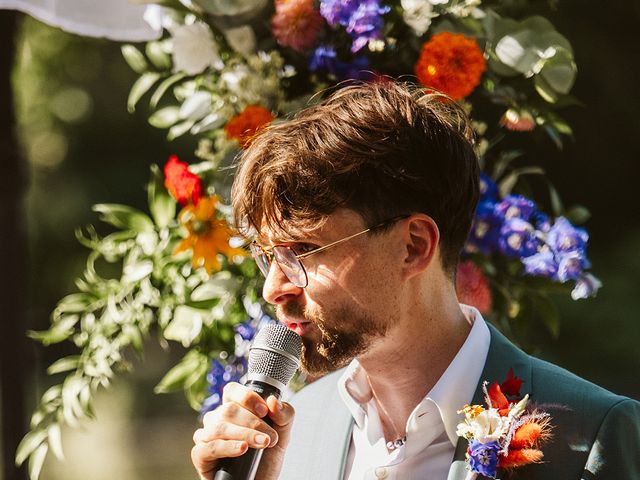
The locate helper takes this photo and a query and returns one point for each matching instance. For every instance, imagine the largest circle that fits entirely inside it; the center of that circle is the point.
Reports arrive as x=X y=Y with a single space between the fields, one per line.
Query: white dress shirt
x=431 y=427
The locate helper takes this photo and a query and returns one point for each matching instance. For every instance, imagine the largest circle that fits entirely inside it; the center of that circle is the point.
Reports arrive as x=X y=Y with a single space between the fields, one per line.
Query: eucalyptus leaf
x=139 y=88
x=560 y=71
x=518 y=51
x=165 y=117
x=544 y=89
x=134 y=58
x=123 y=216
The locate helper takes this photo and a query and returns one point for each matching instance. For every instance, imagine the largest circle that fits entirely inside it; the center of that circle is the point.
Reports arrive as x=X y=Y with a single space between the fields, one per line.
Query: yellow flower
x=207 y=236
x=471 y=411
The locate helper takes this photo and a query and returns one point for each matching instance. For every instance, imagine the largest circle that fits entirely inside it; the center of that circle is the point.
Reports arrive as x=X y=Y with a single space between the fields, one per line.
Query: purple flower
x=541 y=221
x=586 y=286
x=542 y=264
x=518 y=238
x=362 y=19
x=564 y=237
x=366 y=23
x=571 y=265
x=483 y=457
x=324 y=58
x=485 y=229
x=515 y=206
x=218 y=376
x=488 y=188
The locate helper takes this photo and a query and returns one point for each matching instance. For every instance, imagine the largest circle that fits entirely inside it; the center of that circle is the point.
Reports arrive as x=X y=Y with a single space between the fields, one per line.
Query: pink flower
x=472 y=287
x=296 y=24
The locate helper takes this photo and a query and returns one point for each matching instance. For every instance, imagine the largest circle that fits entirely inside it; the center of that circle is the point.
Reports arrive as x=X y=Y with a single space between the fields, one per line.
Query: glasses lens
x=290 y=265
x=261 y=257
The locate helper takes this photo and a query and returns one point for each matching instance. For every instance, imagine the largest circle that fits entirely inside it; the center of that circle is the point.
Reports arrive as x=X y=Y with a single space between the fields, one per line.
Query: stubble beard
x=343 y=337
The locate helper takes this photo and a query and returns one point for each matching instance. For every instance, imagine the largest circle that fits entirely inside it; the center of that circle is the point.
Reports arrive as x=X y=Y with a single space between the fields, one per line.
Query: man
x=361 y=206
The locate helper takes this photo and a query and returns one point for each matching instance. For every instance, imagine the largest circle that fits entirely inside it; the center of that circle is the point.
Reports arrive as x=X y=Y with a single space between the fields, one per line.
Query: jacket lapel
x=502 y=356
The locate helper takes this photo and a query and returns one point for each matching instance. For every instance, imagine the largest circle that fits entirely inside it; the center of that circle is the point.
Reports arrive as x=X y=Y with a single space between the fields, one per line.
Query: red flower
x=183 y=185
x=472 y=287
x=244 y=126
x=451 y=63
x=511 y=386
x=497 y=400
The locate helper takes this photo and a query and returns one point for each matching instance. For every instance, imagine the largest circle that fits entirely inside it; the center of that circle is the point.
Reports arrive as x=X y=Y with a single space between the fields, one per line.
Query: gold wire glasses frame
x=289 y=261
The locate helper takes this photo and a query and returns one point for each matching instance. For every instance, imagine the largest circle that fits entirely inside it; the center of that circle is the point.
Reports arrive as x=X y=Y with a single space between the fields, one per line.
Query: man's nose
x=278 y=289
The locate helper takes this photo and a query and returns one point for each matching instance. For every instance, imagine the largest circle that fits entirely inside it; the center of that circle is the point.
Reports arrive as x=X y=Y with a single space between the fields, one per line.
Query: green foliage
x=109 y=315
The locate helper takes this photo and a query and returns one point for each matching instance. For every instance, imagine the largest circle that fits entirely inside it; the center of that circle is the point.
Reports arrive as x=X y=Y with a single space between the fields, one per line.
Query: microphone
x=274 y=357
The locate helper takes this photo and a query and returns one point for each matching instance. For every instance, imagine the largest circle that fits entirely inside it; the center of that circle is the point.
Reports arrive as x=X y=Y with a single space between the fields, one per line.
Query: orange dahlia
x=451 y=63
x=207 y=235
x=296 y=24
x=244 y=126
x=472 y=286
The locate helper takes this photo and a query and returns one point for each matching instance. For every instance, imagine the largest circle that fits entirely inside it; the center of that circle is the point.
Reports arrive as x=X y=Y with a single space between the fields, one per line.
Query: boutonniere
x=504 y=434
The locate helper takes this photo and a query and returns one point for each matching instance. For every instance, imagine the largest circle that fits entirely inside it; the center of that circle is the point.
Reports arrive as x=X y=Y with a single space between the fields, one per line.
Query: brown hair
x=381 y=149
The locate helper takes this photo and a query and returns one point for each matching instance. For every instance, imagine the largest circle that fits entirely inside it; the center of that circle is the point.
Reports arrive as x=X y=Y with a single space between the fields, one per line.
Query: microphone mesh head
x=275 y=353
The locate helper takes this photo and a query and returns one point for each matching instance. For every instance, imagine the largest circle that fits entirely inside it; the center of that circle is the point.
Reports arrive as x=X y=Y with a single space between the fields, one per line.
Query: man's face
x=349 y=303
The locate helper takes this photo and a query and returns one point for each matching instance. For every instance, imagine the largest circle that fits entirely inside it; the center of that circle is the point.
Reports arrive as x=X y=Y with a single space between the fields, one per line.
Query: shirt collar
x=452 y=391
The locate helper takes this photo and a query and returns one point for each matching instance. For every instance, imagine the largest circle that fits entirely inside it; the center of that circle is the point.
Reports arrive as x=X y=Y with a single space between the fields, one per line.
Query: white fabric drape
x=114 y=19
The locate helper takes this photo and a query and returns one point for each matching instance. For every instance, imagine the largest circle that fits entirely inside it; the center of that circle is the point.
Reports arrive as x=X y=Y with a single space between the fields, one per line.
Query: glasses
x=290 y=262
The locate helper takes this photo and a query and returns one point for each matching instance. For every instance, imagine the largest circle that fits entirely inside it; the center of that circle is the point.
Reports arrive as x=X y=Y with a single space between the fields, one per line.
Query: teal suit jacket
x=596 y=434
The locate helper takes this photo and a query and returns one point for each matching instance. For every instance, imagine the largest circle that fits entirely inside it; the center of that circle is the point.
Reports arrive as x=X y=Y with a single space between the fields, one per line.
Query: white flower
x=194 y=49
x=487 y=426
x=417 y=14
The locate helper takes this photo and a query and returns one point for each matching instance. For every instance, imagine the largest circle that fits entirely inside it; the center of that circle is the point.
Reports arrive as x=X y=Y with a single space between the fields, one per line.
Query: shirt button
x=381 y=472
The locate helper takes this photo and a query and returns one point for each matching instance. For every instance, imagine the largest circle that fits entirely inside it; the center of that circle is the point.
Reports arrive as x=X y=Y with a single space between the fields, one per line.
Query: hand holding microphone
x=251 y=417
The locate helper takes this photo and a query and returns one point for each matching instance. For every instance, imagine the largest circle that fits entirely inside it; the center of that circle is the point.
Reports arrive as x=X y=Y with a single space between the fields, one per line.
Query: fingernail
x=261 y=409
x=241 y=446
x=280 y=405
x=262 y=439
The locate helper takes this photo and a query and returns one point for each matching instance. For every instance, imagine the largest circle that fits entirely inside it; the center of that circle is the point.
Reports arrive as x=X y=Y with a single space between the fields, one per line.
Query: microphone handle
x=245 y=466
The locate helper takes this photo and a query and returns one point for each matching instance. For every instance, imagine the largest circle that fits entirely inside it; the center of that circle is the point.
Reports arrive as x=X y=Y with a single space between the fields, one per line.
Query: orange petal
x=526 y=435
x=520 y=458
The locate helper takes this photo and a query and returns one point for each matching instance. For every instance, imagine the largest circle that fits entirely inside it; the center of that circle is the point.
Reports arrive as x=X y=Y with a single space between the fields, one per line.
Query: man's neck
x=405 y=365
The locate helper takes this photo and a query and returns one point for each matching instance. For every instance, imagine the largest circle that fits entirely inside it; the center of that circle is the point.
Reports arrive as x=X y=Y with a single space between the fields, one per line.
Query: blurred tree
x=14 y=361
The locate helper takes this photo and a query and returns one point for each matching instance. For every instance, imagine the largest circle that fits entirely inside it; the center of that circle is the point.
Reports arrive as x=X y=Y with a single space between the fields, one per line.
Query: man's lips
x=298 y=326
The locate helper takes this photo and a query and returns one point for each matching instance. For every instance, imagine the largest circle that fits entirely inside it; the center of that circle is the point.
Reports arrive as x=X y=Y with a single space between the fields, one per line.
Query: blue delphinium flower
x=586 y=286
x=515 y=206
x=485 y=229
x=542 y=264
x=564 y=237
x=218 y=376
x=570 y=265
x=483 y=457
x=325 y=59
x=488 y=188
x=518 y=238
x=362 y=19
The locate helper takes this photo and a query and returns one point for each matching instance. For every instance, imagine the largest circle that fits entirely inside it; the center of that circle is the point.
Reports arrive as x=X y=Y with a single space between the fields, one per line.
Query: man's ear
x=421 y=238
